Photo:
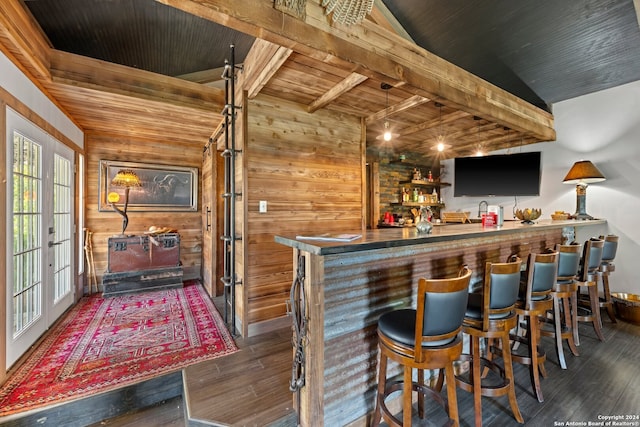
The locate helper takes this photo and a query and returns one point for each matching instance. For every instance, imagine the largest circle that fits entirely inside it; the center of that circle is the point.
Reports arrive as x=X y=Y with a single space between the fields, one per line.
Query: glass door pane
x=61 y=239
x=27 y=233
x=62 y=182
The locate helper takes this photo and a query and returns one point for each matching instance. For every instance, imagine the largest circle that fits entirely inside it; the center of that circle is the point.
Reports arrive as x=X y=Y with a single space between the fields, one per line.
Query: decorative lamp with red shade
x=582 y=174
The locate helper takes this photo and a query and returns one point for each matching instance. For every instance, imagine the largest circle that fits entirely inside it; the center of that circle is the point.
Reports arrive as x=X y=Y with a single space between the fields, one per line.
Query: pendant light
x=386 y=135
x=441 y=145
x=479 y=146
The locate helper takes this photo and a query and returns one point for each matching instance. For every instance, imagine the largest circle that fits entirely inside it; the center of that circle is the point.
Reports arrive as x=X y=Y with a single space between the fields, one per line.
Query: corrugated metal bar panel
x=360 y=287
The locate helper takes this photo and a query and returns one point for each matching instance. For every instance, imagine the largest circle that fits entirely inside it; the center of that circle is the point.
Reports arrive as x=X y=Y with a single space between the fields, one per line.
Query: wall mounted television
x=498 y=175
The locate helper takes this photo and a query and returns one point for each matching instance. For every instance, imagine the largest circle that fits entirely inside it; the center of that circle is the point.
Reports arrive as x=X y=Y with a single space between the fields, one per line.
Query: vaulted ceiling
x=542 y=52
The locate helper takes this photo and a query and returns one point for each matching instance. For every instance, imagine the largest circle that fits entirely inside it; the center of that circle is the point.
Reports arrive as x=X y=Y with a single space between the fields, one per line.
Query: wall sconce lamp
x=582 y=174
x=124 y=178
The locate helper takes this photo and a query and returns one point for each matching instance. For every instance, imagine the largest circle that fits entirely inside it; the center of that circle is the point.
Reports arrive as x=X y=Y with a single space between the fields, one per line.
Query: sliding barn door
x=208 y=220
x=212 y=245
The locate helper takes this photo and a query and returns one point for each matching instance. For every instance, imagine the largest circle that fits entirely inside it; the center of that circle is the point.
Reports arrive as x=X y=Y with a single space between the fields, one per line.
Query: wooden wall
x=309 y=167
x=136 y=149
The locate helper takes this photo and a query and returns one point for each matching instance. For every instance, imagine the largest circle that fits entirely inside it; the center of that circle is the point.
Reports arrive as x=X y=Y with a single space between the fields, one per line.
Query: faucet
x=480 y=208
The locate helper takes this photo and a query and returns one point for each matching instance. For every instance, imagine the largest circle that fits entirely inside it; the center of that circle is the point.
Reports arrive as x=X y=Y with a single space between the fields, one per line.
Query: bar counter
x=348 y=285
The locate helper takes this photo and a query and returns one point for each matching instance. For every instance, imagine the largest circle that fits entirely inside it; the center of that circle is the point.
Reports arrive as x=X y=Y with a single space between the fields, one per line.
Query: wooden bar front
x=349 y=285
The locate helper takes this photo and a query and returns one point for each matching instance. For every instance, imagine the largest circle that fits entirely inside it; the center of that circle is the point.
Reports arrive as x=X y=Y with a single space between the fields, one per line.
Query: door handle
x=52 y=244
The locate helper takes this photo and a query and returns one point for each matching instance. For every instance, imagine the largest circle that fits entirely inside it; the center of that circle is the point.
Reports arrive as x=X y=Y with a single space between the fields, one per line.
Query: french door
x=40 y=218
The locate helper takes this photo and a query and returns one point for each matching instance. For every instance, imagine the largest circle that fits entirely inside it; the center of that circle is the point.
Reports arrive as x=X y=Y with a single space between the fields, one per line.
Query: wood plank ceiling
x=171 y=51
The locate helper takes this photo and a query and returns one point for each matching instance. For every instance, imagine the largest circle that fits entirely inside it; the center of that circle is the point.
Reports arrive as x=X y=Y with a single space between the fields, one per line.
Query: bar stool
x=588 y=309
x=492 y=315
x=533 y=302
x=425 y=338
x=563 y=315
x=606 y=267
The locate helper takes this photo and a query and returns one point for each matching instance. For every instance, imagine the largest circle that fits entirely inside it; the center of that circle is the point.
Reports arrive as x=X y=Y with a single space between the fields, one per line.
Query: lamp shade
x=583 y=172
x=126 y=178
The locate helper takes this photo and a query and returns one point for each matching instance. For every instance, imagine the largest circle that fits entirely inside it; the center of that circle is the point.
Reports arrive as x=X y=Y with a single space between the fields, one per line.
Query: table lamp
x=126 y=178
x=582 y=174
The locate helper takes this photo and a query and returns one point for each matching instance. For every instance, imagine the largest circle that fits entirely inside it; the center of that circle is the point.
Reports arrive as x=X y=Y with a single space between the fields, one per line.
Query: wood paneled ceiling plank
x=115 y=114
x=76 y=70
x=376 y=53
x=449 y=118
x=351 y=81
x=262 y=62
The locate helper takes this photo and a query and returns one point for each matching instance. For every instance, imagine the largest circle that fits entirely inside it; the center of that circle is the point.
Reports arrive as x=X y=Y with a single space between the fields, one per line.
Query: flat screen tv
x=498 y=175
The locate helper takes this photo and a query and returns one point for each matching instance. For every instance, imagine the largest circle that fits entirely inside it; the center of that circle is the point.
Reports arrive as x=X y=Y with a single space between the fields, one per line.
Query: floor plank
x=601 y=381
x=250 y=387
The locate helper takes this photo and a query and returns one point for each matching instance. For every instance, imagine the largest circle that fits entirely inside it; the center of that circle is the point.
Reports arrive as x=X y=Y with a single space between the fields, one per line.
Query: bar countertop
x=395 y=237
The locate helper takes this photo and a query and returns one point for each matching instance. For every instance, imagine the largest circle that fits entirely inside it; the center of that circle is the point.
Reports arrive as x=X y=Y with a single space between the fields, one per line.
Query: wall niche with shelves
x=402 y=192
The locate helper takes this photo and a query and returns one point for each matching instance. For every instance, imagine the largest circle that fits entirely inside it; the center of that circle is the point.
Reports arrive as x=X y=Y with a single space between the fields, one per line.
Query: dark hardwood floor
x=250 y=388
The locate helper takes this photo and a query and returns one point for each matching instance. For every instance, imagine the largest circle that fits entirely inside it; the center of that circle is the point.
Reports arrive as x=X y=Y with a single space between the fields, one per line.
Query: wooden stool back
x=587 y=278
x=606 y=267
x=425 y=338
x=491 y=315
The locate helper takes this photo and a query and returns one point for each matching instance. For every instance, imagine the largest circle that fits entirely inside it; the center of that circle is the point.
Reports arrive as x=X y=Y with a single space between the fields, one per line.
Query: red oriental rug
x=107 y=343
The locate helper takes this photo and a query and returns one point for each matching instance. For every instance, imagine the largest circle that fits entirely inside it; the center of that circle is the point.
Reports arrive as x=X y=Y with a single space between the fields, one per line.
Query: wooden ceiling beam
x=203 y=77
x=407 y=104
x=381 y=15
x=377 y=53
x=28 y=41
x=81 y=71
x=349 y=82
x=262 y=62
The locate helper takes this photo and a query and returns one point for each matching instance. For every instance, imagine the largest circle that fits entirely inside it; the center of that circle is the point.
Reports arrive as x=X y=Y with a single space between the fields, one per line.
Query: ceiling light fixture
x=441 y=143
x=479 y=145
x=387 y=135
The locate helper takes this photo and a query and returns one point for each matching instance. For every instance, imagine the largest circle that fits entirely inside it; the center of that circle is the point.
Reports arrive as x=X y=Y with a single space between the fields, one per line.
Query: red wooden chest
x=132 y=253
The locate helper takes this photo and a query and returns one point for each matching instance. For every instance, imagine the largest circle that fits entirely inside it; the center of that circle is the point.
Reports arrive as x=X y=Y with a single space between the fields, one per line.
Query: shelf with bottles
x=414 y=197
x=428 y=180
x=419 y=204
x=425 y=183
